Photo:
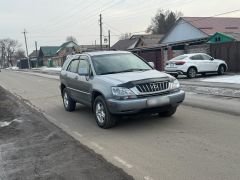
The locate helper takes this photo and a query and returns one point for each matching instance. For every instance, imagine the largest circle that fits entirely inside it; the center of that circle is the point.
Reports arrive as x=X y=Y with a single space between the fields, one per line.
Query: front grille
x=152 y=87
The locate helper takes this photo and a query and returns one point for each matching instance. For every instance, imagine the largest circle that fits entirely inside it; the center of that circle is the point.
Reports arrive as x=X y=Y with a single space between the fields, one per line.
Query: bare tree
x=20 y=53
x=125 y=36
x=8 y=47
x=72 y=38
x=163 y=21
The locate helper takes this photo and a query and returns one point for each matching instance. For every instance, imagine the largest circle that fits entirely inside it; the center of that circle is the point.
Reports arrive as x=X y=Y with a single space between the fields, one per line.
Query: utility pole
x=95 y=45
x=109 y=40
x=100 y=31
x=36 y=53
x=24 y=33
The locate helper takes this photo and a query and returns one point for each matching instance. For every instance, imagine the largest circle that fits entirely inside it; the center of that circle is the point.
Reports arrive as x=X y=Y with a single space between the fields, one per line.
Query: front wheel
x=103 y=117
x=168 y=112
x=221 y=70
x=68 y=102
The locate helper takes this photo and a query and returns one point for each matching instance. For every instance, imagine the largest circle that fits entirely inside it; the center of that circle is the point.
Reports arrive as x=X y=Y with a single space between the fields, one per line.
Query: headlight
x=174 y=84
x=122 y=93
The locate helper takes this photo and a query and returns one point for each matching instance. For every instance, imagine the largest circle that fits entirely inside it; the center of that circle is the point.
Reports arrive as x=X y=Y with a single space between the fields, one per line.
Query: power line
x=56 y=20
x=216 y=15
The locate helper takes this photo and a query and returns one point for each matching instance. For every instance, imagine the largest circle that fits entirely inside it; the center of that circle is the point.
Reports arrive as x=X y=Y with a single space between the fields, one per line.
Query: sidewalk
x=213 y=85
x=33 y=148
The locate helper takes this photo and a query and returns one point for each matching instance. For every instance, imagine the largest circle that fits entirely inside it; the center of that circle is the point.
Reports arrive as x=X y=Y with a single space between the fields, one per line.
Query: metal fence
x=230 y=52
x=153 y=55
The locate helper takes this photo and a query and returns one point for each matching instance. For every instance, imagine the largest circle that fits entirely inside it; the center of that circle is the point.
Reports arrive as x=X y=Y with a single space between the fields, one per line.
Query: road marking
x=77 y=134
x=122 y=162
x=97 y=145
x=148 y=178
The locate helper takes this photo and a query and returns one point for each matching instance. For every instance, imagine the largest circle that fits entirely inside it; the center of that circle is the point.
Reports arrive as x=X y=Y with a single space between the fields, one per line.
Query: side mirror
x=211 y=58
x=151 y=64
x=83 y=71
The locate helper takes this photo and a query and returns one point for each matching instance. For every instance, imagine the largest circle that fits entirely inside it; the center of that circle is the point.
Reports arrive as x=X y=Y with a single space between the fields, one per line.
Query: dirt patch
x=33 y=148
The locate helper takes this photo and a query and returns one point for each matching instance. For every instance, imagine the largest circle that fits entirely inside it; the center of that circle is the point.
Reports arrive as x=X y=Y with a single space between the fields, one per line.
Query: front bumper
x=132 y=106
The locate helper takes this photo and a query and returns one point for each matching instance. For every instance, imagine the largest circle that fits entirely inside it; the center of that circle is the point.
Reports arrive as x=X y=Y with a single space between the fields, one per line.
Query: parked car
x=116 y=83
x=193 y=64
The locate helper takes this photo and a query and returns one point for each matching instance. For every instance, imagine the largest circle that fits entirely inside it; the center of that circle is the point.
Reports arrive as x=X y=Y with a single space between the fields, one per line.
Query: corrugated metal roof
x=125 y=44
x=210 y=25
x=235 y=36
x=49 y=50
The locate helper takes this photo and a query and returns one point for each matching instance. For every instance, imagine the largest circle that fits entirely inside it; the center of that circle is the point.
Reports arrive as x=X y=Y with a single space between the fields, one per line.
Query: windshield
x=180 y=57
x=117 y=63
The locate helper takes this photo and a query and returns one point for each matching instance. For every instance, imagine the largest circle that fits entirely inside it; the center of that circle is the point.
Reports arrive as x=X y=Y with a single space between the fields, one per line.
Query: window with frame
x=196 y=57
x=73 y=66
x=206 y=57
x=83 y=65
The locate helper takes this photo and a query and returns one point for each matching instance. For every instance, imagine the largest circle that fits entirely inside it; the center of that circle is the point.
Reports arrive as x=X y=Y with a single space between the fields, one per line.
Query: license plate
x=158 y=101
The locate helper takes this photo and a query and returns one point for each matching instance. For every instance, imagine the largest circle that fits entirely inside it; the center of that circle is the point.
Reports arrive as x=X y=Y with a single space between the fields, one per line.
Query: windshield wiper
x=134 y=69
x=112 y=72
x=127 y=70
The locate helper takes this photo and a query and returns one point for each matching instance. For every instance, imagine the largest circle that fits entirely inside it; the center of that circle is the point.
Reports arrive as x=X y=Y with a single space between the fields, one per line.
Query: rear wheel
x=221 y=70
x=103 y=117
x=192 y=72
x=169 y=112
x=68 y=102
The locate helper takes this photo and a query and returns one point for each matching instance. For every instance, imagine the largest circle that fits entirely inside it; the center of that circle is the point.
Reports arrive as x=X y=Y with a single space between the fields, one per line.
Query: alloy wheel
x=65 y=100
x=100 y=113
x=192 y=72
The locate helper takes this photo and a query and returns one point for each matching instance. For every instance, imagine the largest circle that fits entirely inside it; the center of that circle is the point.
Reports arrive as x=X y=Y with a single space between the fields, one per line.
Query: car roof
x=97 y=53
x=191 y=54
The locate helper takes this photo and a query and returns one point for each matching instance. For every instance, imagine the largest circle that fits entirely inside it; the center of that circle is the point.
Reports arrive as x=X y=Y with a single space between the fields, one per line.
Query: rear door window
x=206 y=57
x=196 y=57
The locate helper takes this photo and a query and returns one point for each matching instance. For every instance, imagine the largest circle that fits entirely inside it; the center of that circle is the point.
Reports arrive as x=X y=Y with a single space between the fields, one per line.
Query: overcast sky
x=49 y=22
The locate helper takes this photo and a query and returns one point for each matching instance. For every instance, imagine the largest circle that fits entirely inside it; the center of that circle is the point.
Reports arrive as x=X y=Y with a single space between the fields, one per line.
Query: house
x=87 y=48
x=199 y=29
x=224 y=37
x=33 y=57
x=46 y=53
x=63 y=51
x=138 y=41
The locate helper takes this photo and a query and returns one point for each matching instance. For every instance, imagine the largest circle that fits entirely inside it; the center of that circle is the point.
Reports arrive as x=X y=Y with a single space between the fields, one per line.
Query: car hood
x=121 y=78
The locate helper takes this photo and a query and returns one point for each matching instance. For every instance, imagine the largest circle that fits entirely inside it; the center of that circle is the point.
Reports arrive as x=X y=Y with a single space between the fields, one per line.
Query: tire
x=102 y=115
x=169 y=112
x=68 y=103
x=192 y=72
x=221 y=70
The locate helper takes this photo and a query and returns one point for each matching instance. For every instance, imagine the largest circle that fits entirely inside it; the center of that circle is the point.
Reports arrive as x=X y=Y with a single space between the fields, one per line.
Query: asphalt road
x=195 y=143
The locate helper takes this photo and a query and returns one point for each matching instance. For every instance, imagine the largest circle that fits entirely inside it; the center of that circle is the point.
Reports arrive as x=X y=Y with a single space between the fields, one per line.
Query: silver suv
x=115 y=83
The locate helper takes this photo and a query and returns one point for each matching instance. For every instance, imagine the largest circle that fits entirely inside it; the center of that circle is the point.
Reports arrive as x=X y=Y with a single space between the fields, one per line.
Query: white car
x=193 y=64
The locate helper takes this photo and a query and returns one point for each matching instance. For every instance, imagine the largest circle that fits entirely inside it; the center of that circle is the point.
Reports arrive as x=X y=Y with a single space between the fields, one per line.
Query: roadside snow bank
x=12 y=68
x=235 y=79
x=45 y=68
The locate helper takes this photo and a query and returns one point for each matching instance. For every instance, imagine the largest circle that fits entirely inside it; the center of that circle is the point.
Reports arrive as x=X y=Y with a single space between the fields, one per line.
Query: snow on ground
x=234 y=79
x=13 y=68
x=52 y=69
x=45 y=68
